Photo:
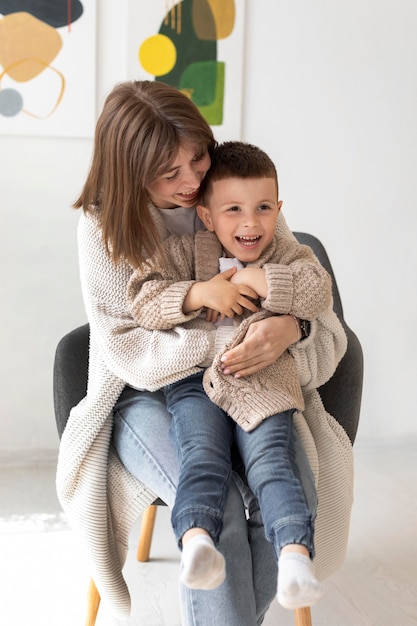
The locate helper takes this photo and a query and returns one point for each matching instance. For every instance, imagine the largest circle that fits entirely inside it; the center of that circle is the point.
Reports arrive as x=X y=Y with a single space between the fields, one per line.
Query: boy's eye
x=233 y=208
x=264 y=207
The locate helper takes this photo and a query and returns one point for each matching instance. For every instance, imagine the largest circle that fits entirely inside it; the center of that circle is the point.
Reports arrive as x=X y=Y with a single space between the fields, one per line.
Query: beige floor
x=43 y=577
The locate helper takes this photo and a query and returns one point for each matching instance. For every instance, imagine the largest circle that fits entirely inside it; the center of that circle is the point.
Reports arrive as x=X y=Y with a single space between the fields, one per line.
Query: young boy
x=184 y=292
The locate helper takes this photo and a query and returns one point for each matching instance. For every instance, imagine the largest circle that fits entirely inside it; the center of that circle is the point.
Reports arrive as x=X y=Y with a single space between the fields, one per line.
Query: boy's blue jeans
x=204 y=434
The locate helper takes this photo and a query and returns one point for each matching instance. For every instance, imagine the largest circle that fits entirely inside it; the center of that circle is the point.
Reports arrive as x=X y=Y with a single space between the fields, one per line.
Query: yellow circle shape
x=157 y=55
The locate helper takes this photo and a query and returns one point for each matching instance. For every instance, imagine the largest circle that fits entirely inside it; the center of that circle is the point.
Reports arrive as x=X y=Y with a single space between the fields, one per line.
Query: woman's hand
x=264 y=342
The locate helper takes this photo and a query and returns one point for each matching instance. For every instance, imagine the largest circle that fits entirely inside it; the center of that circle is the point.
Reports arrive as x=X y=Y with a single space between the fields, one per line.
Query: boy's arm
x=299 y=284
x=296 y=284
x=316 y=357
x=164 y=294
x=156 y=304
x=156 y=292
x=219 y=294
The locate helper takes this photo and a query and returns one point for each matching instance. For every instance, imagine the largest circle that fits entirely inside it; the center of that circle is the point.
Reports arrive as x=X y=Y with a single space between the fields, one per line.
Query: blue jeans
x=142 y=440
x=204 y=434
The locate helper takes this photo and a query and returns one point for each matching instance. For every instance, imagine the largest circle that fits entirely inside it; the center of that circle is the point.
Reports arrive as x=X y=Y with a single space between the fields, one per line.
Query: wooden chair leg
x=303 y=617
x=146 y=532
x=144 y=547
x=93 y=601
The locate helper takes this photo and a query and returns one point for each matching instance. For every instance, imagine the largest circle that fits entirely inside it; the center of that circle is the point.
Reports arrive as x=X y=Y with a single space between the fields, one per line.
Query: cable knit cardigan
x=99 y=496
x=297 y=284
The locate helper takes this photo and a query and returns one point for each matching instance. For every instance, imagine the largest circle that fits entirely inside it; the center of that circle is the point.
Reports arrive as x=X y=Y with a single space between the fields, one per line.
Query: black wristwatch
x=305 y=328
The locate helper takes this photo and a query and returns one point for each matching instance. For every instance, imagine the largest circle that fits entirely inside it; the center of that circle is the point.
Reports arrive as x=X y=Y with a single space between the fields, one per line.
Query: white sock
x=297 y=584
x=203 y=567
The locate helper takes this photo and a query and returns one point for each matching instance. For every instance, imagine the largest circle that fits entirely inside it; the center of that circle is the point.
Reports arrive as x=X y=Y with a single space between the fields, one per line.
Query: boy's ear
x=279 y=205
x=204 y=214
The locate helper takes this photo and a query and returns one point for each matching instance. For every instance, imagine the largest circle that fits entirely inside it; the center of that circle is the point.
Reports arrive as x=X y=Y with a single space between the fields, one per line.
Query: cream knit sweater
x=297 y=284
x=101 y=499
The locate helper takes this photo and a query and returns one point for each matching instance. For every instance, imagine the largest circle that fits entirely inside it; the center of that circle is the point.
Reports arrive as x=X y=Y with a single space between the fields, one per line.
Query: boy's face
x=243 y=213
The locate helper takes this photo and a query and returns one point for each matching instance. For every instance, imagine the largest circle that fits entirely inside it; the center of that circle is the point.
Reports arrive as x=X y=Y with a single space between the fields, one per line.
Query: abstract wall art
x=197 y=46
x=47 y=67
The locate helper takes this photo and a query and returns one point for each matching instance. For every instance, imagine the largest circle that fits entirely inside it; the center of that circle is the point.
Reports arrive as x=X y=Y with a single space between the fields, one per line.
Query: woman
x=152 y=150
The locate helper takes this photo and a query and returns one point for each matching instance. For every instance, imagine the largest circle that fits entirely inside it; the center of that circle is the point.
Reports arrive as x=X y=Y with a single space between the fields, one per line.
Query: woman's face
x=179 y=185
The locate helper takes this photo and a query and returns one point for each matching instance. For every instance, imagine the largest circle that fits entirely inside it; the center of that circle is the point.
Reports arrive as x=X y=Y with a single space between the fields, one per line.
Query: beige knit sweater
x=101 y=499
x=297 y=284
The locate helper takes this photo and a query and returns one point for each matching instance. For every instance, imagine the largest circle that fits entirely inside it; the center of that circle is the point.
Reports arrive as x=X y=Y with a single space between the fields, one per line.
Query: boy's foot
x=297 y=584
x=203 y=567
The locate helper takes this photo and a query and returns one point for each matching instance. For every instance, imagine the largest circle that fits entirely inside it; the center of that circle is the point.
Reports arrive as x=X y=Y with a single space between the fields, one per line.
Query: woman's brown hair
x=137 y=138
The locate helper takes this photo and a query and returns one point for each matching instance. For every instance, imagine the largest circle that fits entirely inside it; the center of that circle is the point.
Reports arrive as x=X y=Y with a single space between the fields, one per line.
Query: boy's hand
x=253 y=277
x=212 y=316
x=219 y=294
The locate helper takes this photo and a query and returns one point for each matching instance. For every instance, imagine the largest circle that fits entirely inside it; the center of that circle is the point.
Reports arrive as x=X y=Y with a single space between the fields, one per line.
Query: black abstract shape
x=56 y=13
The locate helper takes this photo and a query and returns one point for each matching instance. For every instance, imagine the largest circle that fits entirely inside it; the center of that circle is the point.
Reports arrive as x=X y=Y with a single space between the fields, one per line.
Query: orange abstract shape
x=213 y=19
x=203 y=21
x=173 y=15
x=58 y=88
x=27 y=45
x=187 y=91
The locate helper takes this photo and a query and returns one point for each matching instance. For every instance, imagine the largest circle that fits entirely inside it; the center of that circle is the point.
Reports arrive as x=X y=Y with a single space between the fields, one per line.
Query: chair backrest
x=341 y=395
x=318 y=249
x=70 y=373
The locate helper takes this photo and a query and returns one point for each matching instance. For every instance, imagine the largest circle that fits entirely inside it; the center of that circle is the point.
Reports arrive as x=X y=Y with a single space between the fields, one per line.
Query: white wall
x=39 y=286
x=330 y=93
x=336 y=107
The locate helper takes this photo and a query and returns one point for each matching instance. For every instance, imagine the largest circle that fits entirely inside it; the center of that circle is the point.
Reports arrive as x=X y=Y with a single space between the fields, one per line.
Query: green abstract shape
x=204 y=82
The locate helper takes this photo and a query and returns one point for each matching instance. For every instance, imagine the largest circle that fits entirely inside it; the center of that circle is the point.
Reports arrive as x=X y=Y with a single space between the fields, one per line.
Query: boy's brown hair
x=237 y=159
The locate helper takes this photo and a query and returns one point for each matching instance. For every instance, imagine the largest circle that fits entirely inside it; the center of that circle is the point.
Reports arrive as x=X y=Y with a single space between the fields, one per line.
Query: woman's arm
x=319 y=354
x=316 y=357
x=140 y=357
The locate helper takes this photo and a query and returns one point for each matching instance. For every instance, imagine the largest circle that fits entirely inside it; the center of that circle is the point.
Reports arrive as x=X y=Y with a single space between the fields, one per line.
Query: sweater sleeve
x=156 y=293
x=317 y=356
x=142 y=358
x=297 y=284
